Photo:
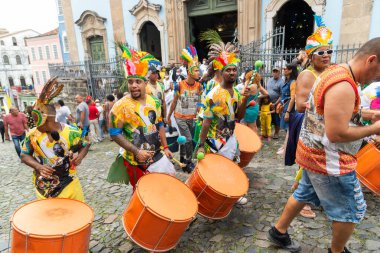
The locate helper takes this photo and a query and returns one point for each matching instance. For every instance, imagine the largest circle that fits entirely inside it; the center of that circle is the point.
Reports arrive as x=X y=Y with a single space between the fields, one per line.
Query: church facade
x=164 y=27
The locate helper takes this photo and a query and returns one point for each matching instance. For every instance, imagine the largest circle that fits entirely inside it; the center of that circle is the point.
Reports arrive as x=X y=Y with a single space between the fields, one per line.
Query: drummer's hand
x=169 y=121
x=375 y=117
x=201 y=150
x=168 y=153
x=143 y=155
x=376 y=141
x=45 y=170
x=77 y=159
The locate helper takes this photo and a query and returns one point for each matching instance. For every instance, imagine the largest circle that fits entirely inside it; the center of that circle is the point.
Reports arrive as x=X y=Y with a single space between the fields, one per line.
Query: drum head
x=167 y=196
x=52 y=217
x=248 y=140
x=223 y=175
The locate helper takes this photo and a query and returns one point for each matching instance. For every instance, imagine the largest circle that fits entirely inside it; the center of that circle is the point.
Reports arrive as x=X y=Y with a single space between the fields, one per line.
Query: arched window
x=2 y=43
x=6 y=59
x=11 y=83
x=22 y=82
x=14 y=41
x=18 y=60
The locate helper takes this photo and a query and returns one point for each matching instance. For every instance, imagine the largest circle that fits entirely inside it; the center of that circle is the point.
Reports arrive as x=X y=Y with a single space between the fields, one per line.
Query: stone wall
x=356 y=21
x=72 y=88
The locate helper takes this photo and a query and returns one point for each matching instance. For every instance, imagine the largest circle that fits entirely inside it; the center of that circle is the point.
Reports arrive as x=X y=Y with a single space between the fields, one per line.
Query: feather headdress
x=137 y=62
x=320 y=38
x=223 y=55
x=50 y=90
x=189 y=56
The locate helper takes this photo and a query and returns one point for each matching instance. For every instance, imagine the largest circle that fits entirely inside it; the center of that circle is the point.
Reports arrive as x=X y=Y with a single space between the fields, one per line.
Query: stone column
x=70 y=30
x=178 y=28
x=356 y=21
x=117 y=20
x=249 y=16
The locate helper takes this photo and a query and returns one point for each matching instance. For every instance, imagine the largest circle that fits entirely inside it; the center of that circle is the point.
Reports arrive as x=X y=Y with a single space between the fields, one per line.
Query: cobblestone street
x=243 y=231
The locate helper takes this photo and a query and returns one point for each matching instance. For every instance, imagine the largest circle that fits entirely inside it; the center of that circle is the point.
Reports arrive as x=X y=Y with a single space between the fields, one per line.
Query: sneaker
x=282 y=240
x=345 y=250
x=242 y=201
x=189 y=167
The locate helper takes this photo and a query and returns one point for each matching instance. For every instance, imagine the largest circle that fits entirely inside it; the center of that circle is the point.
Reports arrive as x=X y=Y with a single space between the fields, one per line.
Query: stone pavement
x=243 y=231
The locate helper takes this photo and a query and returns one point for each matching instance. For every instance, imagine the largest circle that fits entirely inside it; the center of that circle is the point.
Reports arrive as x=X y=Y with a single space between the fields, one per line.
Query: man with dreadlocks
x=186 y=97
x=224 y=104
x=136 y=125
x=49 y=149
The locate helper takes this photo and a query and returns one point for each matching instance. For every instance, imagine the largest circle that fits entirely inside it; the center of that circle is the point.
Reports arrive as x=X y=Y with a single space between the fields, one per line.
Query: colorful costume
x=57 y=153
x=188 y=99
x=64 y=182
x=140 y=126
x=266 y=120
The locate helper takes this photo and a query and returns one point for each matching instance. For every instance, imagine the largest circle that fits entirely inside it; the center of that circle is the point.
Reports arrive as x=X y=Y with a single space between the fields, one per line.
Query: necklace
x=352 y=73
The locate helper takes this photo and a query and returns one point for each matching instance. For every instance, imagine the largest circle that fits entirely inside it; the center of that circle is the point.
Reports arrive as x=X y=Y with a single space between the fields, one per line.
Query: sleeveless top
x=315 y=152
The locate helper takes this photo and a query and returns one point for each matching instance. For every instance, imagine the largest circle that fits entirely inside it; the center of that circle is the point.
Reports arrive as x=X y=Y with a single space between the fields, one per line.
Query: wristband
x=115 y=131
x=166 y=147
x=201 y=145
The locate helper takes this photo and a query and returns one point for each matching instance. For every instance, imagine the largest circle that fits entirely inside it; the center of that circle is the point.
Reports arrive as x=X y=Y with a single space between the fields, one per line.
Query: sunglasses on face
x=321 y=53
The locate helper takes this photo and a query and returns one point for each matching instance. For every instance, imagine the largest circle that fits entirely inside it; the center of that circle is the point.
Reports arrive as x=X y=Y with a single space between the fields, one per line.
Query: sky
x=39 y=15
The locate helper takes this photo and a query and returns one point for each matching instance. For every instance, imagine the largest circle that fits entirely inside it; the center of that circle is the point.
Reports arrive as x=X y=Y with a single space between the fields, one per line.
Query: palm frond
x=210 y=37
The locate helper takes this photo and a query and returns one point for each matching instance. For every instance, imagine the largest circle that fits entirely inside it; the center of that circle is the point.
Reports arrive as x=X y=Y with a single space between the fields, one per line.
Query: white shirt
x=62 y=113
x=100 y=109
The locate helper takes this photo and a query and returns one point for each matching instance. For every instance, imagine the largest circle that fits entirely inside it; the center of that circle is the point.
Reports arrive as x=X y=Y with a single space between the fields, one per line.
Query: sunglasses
x=321 y=53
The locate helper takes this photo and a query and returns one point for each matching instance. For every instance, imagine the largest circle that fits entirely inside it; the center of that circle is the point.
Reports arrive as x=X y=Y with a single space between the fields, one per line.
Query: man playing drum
x=331 y=135
x=224 y=104
x=137 y=126
x=49 y=149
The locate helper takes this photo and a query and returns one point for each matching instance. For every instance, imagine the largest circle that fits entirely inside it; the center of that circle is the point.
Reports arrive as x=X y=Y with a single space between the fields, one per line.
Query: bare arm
x=263 y=91
x=241 y=111
x=173 y=106
x=305 y=82
x=44 y=170
x=81 y=120
x=339 y=104
x=204 y=131
x=6 y=130
x=163 y=107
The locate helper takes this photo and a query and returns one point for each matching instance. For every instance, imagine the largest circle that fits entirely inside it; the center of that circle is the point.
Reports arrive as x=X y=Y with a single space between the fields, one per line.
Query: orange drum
x=218 y=183
x=52 y=225
x=368 y=169
x=249 y=143
x=159 y=212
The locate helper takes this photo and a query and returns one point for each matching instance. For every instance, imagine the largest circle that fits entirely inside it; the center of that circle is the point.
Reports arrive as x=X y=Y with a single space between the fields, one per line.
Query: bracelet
x=201 y=145
x=166 y=147
x=287 y=112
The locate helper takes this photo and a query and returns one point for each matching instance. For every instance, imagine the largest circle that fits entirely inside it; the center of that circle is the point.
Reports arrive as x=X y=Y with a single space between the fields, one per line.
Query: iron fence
x=271 y=51
x=101 y=76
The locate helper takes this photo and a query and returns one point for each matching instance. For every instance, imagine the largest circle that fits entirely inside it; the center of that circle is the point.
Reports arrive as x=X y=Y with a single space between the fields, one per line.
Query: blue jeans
x=16 y=141
x=341 y=197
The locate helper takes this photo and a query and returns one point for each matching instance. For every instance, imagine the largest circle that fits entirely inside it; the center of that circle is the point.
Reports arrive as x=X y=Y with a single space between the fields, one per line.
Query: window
x=47 y=49
x=44 y=76
x=18 y=60
x=14 y=41
x=55 y=51
x=11 y=83
x=6 y=60
x=2 y=43
x=38 y=77
x=22 y=82
x=33 y=54
x=40 y=53
x=60 y=8
x=65 y=44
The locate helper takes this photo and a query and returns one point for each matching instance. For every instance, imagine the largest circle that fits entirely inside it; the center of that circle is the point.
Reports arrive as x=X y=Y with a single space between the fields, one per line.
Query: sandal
x=307 y=212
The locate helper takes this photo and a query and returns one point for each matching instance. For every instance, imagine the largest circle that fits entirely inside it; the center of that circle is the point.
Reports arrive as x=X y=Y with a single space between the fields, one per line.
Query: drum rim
x=133 y=240
x=214 y=190
x=160 y=215
x=55 y=236
x=261 y=143
x=363 y=179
